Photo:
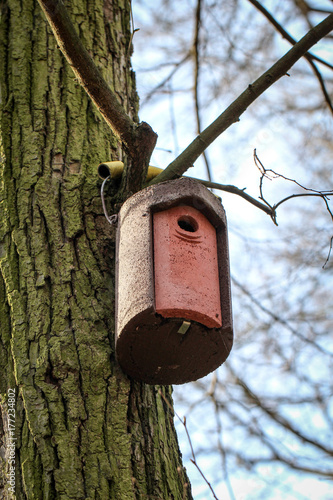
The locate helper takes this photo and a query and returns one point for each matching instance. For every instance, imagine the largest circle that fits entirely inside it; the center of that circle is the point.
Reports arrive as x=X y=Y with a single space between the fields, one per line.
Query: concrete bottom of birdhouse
x=156 y=353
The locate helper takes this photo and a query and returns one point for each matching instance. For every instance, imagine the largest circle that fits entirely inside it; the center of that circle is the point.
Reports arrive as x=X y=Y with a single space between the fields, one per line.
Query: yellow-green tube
x=116 y=168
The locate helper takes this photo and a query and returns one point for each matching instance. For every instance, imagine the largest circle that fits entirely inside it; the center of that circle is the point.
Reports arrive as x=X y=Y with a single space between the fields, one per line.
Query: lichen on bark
x=83 y=429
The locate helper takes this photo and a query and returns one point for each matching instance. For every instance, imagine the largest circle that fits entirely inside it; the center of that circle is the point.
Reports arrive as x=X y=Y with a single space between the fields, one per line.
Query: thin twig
x=278 y=418
x=196 y=45
x=219 y=431
x=193 y=459
x=255 y=428
x=329 y=253
x=277 y=318
x=320 y=195
x=134 y=30
x=271 y=174
x=274 y=175
x=176 y=65
x=173 y=122
x=232 y=114
x=285 y=33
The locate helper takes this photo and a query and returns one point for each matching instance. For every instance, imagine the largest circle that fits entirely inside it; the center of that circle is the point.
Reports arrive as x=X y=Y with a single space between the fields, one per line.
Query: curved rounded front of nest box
x=173 y=301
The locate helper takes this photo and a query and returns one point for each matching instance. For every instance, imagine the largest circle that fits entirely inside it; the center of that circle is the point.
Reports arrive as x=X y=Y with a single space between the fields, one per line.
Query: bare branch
x=308 y=56
x=240 y=192
x=329 y=253
x=271 y=174
x=319 y=194
x=285 y=34
x=232 y=114
x=176 y=65
x=278 y=319
x=255 y=429
x=279 y=418
x=219 y=433
x=322 y=84
x=139 y=139
x=196 y=79
x=306 y=10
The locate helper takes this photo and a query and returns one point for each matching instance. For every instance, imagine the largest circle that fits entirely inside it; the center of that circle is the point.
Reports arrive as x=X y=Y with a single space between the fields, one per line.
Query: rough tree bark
x=82 y=429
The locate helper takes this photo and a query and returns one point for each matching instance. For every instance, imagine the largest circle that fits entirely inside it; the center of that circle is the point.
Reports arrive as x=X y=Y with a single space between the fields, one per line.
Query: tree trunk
x=82 y=428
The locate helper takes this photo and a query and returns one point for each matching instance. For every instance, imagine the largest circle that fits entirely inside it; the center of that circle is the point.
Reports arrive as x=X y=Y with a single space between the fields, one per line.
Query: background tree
x=83 y=429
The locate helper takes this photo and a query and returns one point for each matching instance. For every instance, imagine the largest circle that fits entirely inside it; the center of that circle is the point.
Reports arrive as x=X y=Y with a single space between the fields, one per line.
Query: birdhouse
x=173 y=301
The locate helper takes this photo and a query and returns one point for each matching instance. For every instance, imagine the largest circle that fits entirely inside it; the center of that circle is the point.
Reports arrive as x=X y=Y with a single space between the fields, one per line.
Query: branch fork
x=139 y=140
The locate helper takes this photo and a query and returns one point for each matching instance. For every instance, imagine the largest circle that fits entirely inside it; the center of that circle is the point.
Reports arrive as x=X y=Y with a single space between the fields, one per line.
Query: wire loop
x=113 y=219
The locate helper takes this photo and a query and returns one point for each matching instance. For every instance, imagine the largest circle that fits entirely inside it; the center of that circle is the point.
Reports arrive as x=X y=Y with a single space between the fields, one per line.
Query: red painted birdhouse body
x=186 y=269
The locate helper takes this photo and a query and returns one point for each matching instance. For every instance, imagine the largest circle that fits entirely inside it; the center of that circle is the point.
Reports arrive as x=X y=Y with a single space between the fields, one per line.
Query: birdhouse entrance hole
x=188 y=224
